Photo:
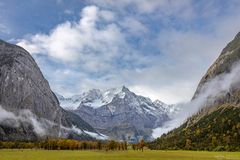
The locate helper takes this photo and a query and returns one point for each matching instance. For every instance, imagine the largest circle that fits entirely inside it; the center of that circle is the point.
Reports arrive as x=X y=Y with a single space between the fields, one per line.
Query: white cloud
x=82 y=42
x=164 y=7
x=69 y=82
x=217 y=87
x=134 y=26
x=162 y=55
x=107 y=15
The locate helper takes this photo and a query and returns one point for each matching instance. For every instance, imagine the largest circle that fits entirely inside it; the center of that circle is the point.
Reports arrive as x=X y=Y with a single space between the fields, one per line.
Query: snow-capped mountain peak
x=118 y=108
x=69 y=103
x=109 y=94
x=96 y=98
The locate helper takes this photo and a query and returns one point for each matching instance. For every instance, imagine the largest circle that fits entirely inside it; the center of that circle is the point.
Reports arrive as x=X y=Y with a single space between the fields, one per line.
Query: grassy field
x=115 y=155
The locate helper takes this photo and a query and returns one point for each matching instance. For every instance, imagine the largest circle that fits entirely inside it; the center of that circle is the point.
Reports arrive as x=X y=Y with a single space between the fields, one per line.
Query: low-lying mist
x=211 y=90
x=40 y=126
x=24 y=116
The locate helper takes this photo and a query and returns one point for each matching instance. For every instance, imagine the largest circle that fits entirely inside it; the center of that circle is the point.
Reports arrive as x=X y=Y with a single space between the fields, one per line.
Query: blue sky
x=158 y=48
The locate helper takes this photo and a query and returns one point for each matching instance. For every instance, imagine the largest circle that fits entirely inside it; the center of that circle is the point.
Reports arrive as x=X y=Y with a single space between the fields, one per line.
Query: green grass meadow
x=8 y=154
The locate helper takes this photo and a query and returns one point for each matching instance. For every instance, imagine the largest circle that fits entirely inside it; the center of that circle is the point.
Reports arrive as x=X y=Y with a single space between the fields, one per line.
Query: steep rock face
x=23 y=85
x=217 y=125
x=229 y=56
x=228 y=59
x=120 y=114
x=28 y=102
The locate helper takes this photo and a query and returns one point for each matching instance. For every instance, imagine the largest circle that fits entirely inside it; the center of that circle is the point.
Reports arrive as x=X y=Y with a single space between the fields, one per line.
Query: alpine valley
x=30 y=110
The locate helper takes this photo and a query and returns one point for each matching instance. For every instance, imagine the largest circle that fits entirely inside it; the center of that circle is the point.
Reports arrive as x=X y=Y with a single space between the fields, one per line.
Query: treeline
x=66 y=144
x=139 y=146
x=218 y=131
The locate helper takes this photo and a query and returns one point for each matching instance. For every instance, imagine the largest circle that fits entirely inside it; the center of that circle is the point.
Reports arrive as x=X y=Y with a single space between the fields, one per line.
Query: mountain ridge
x=118 y=110
x=28 y=102
x=219 y=115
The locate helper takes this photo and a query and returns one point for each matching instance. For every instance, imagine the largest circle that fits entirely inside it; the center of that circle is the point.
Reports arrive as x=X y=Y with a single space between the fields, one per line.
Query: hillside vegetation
x=217 y=131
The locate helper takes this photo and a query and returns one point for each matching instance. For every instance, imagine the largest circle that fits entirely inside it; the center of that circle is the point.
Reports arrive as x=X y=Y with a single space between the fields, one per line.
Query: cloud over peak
x=153 y=47
x=93 y=41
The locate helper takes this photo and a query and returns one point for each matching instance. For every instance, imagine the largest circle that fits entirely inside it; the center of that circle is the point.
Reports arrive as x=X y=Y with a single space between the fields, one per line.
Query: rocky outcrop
x=229 y=56
x=28 y=102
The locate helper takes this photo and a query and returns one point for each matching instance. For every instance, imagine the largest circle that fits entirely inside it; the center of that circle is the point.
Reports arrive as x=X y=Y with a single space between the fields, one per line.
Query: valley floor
x=7 y=154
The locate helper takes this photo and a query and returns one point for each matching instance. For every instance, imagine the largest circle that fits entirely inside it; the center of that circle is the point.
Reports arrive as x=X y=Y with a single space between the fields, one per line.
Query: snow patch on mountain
x=111 y=93
x=97 y=136
x=93 y=98
x=69 y=103
x=95 y=104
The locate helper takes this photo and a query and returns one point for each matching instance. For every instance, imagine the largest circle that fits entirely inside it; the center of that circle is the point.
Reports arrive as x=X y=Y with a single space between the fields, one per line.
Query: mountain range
x=119 y=113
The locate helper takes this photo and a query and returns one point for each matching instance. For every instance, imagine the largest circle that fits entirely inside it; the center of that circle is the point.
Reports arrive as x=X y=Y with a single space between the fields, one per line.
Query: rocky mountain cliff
x=28 y=108
x=217 y=124
x=229 y=56
x=119 y=113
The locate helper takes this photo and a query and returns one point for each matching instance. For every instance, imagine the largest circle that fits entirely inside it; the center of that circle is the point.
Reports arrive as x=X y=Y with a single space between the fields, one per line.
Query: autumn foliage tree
x=66 y=144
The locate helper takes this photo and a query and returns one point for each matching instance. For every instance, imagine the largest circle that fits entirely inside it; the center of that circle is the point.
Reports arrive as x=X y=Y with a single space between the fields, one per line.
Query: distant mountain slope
x=217 y=125
x=119 y=113
x=28 y=108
